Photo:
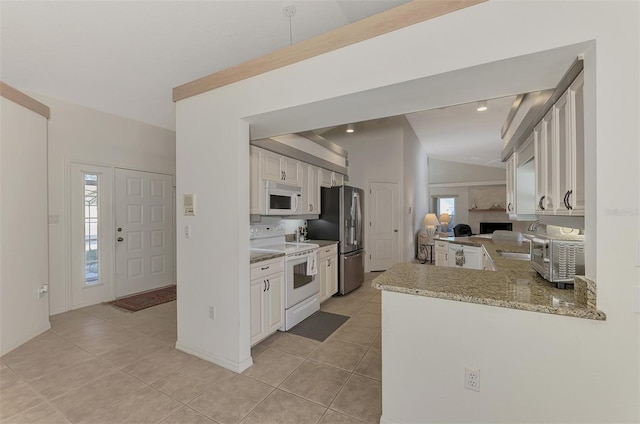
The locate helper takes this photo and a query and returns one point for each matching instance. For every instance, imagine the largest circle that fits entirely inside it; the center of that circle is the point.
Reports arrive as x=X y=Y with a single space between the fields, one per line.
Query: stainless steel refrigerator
x=341 y=219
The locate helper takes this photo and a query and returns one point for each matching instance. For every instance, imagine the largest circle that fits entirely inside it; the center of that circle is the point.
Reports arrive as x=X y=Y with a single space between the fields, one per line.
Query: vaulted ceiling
x=124 y=57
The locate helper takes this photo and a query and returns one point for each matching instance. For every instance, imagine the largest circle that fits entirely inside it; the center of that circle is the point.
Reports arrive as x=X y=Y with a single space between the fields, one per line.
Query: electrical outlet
x=212 y=312
x=472 y=379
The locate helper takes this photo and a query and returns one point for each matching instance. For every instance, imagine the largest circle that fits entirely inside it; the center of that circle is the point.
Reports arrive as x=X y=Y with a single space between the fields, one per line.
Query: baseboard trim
x=25 y=339
x=384 y=420
x=237 y=367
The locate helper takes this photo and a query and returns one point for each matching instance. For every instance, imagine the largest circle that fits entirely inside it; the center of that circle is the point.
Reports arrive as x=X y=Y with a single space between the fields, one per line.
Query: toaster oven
x=558 y=259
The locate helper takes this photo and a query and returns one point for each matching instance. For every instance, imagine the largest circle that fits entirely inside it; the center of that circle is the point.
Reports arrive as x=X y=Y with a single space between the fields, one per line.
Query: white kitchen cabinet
x=441 y=250
x=330 y=178
x=267 y=298
x=256 y=183
x=559 y=155
x=571 y=150
x=310 y=189
x=521 y=182
x=461 y=256
x=275 y=167
x=328 y=271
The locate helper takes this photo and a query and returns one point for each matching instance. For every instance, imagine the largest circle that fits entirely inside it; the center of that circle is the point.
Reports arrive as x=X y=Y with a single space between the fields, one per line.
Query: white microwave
x=282 y=199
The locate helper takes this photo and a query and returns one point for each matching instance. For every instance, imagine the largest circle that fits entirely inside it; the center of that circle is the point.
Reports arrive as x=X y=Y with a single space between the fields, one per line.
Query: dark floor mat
x=319 y=326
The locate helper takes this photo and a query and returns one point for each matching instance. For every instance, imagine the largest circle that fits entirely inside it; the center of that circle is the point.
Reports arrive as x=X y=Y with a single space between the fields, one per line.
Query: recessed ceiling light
x=350 y=128
x=482 y=106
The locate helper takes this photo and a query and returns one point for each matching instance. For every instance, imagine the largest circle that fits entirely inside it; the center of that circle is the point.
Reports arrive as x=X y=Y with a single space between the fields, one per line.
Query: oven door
x=300 y=283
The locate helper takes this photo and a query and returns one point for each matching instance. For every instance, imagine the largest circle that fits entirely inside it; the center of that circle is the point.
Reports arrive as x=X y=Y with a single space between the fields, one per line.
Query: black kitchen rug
x=319 y=326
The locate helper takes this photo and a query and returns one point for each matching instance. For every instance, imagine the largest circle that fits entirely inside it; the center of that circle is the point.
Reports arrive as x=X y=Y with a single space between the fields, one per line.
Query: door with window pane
x=91 y=228
x=144 y=231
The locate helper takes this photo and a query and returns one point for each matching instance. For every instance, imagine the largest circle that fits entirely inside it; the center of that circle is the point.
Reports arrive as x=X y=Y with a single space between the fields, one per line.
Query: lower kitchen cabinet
x=267 y=298
x=441 y=250
x=461 y=256
x=328 y=271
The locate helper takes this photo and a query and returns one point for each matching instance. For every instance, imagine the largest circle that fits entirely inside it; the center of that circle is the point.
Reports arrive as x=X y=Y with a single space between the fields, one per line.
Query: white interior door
x=383 y=245
x=91 y=205
x=144 y=231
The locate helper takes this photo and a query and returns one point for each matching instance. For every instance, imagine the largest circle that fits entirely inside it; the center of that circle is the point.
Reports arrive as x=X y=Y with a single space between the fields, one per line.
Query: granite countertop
x=322 y=243
x=513 y=285
x=259 y=256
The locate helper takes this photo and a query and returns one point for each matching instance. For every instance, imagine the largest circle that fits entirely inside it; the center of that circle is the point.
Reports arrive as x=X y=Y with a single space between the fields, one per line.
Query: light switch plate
x=189 y=204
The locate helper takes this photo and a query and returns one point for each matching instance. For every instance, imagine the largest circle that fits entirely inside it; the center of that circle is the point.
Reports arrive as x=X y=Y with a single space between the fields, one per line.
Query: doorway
x=144 y=236
x=384 y=226
x=91 y=229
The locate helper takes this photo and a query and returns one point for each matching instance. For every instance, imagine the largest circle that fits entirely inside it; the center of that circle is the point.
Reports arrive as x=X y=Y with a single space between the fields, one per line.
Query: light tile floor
x=104 y=365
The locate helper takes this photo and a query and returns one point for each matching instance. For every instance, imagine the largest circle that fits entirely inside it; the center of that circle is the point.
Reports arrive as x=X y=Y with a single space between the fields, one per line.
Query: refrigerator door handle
x=358 y=223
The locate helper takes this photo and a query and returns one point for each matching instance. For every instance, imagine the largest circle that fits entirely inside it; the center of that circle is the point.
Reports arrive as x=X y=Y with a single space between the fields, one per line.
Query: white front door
x=92 y=242
x=144 y=231
x=383 y=244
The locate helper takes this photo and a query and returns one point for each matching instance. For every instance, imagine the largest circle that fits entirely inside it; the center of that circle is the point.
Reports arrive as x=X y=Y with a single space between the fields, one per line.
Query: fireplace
x=490 y=227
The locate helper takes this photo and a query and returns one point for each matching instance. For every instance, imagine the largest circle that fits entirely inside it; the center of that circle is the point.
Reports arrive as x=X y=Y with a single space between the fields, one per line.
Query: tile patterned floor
x=104 y=365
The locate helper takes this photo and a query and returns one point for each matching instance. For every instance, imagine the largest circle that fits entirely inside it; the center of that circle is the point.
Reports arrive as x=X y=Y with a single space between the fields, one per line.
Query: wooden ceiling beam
x=399 y=17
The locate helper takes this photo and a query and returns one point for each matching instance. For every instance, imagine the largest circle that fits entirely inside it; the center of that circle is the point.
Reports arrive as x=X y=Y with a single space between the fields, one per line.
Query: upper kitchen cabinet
x=571 y=181
x=280 y=168
x=310 y=189
x=521 y=182
x=330 y=178
x=257 y=203
x=545 y=163
x=559 y=155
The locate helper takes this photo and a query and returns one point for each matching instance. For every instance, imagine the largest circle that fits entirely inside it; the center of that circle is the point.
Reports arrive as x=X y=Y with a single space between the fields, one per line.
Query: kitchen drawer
x=264 y=268
x=328 y=251
x=442 y=245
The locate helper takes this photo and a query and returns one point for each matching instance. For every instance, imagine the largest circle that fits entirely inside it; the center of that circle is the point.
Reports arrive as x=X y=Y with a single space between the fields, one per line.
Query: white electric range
x=302 y=286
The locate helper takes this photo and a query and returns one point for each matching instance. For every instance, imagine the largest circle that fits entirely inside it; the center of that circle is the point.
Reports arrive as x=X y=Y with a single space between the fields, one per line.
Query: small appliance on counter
x=342 y=220
x=559 y=258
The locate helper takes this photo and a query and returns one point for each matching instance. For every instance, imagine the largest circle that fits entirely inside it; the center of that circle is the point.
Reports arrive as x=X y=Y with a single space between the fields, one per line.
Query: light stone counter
x=259 y=256
x=513 y=285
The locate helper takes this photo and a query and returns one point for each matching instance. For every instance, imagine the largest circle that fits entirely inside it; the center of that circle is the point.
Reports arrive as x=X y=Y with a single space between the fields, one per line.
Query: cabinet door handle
x=568 y=202
x=310 y=207
x=540 y=203
x=265 y=285
x=509 y=207
x=265 y=267
x=328 y=262
x=268 y=284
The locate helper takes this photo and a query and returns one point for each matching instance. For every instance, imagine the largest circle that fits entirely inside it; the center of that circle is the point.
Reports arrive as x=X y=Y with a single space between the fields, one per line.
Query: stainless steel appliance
x=302 y=286
x=341 y=219
x=282 y=199
x=558 y=259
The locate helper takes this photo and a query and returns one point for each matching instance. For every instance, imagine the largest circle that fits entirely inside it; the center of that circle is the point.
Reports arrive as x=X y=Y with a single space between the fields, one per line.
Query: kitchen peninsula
x=510 y=326
x=513 y=285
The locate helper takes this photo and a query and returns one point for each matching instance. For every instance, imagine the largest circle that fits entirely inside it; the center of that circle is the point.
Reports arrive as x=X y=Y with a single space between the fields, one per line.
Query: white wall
x=444 y=171
x=213 y=156
x=531 y=369
x=416 y=187
x=375 y=156
x=23 y=225
x=80 y=134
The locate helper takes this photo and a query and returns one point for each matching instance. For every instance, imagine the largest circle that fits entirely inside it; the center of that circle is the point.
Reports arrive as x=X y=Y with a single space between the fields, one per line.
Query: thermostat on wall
x=189 y=204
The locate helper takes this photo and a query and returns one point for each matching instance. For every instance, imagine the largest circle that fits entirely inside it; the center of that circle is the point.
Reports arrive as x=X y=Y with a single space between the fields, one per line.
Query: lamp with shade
x=445 y=219
x=430 y=224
